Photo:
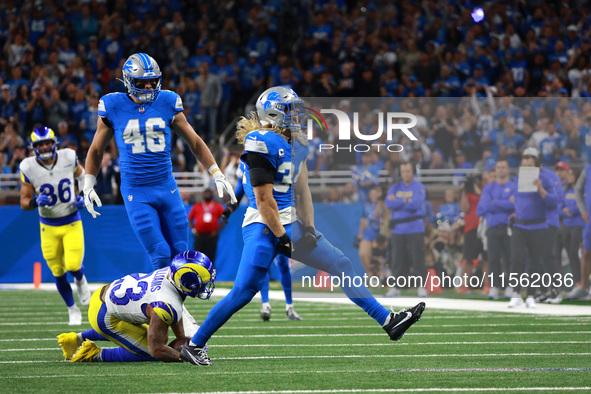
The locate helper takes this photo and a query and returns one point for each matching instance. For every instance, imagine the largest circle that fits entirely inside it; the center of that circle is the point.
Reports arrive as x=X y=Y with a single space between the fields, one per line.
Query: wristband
x=284 y=239
x=89 y=181
x=213 y=169
x=33 y=203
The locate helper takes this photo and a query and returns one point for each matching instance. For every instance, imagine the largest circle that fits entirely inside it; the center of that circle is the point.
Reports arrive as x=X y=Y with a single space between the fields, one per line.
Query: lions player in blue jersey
x=141 y=122
x=281 y=260
x=275 y=155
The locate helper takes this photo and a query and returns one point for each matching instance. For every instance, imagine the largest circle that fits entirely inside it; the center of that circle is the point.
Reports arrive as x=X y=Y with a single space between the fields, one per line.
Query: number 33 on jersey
x=143 y=135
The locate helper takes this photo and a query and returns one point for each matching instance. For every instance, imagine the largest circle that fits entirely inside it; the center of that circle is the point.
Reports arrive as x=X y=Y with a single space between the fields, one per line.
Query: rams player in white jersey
x=48 y=184
x=136 y=311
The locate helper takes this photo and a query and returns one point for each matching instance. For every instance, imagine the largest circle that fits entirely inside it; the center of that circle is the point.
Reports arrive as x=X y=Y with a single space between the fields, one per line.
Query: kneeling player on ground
x=136 y=311
x=275 y=155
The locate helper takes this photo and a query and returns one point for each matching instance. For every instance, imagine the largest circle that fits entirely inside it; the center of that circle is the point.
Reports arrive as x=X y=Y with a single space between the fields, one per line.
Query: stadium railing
x=194 y=182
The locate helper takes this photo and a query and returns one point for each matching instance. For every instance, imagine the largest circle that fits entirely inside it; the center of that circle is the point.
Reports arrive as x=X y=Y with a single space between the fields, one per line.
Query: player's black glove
x=228 y=211
x=285 y=247
x=309 y=241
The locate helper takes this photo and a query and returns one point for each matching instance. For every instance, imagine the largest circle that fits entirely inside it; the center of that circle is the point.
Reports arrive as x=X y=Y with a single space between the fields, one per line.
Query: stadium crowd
x=61 y=56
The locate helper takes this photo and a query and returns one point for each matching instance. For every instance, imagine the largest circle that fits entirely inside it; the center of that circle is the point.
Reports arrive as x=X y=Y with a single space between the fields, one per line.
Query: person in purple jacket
x=529 y=230
x=405 y=200
x=496 y=204
x=571 y=231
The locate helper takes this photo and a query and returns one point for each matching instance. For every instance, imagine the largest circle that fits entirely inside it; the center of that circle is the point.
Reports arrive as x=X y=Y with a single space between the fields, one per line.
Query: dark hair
x=407 y=163
x=470 y=181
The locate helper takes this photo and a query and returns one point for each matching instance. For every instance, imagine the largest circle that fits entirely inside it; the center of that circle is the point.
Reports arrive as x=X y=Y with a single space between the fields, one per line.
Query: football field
x=336 y=348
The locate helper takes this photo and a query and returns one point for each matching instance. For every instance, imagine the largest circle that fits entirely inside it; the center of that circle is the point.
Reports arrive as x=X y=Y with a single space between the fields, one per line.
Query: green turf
x=336 y=347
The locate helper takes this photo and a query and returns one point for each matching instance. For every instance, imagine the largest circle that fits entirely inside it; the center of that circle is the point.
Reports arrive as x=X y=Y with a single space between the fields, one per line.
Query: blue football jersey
x=143 y=135
x=288 y=161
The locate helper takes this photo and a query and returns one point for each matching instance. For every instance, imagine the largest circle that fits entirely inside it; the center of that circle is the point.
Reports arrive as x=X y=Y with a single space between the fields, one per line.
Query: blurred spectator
x=89 y=118
x=405 y=200
x=36 y=108
x=365 y=176
x=496 y=206
x=512 y=146
x=106 y=185
x=8 y=107
x=470 y=195
x=63 y=136
x=449 y=211
x=204 y=220
x=211 y=94
x=369 y=228
x=57 y=111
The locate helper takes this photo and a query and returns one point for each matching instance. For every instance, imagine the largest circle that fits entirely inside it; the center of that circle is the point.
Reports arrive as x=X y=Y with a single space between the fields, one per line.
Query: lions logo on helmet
x=192 y=274
x=38 y=137
x=137 y=70
x=280 y=106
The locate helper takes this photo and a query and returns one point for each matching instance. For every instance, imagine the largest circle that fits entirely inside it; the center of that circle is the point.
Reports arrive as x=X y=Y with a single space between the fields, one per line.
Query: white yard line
x=330 y=344
x=432 y=303
x=292 y=372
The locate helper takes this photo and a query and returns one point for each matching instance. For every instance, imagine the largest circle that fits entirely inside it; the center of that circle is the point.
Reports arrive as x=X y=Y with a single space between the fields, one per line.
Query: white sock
x=266 y=305
x=287 y=306
x=79 y=339
x=72 y=308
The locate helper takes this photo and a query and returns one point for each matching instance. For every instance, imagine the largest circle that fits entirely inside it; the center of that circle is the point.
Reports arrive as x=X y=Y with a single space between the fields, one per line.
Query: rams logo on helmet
x=192 y=274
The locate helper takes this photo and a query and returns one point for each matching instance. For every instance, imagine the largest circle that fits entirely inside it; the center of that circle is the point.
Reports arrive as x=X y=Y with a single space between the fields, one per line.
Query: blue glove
x=79 y=202
x=43 y=200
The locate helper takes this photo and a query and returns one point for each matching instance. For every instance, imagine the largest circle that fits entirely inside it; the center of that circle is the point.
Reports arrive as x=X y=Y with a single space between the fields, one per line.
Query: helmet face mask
x=139 y=70
x=192 y=273
x=44 y=143
x=281 y=107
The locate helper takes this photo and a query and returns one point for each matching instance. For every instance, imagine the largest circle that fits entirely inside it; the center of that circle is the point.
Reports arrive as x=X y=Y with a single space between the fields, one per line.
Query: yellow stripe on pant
x=133 y=337
x=63 y=247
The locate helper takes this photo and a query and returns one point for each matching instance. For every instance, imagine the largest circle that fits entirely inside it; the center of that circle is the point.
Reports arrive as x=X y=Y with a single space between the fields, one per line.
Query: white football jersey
x=56 y=181
x=128 y=297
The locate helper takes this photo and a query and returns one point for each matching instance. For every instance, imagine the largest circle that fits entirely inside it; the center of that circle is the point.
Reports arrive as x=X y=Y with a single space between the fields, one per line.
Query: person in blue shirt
x=450 y=210
x=551 y=146
x=529 y=233
x=571 y=231
x=277 y=223
x=496 y=205
x=405 y=200
x=512 y=146
x=141 y=123
x=551 y=261
x=583 y=196
x=195 y=61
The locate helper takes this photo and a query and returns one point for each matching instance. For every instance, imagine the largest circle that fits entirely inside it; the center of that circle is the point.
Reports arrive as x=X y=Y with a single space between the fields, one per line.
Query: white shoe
x=493 y=294
x=515 y=302
x=530 y=302
x=292 y=314
x=266 y=312
x=508 y=293
x=83 y=291
x=578 y=293
x=393 y=292
x=422 y=292
x=75 y=316
x=190 y=325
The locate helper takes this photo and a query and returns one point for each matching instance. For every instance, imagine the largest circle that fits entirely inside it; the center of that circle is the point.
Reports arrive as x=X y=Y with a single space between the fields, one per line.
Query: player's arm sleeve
x=166 y=312
x=178 y=104
x=261 y=170
x=103 y=111
x=580 y=191
x=239 y=191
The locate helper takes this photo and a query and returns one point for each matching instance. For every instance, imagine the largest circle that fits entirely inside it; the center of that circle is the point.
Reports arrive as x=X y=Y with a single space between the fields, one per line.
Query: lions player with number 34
x=276 y=183
x=141 y=122
x=50 y=176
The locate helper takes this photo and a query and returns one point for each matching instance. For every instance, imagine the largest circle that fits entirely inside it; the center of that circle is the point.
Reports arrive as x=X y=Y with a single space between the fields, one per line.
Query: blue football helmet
x=192 y=273
x=280 y=106
x=138 y=68
x=42 y=134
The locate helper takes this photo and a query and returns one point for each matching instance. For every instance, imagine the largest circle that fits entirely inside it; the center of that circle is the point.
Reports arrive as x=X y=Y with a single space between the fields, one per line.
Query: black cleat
x=401 y=321
x=195 y=355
